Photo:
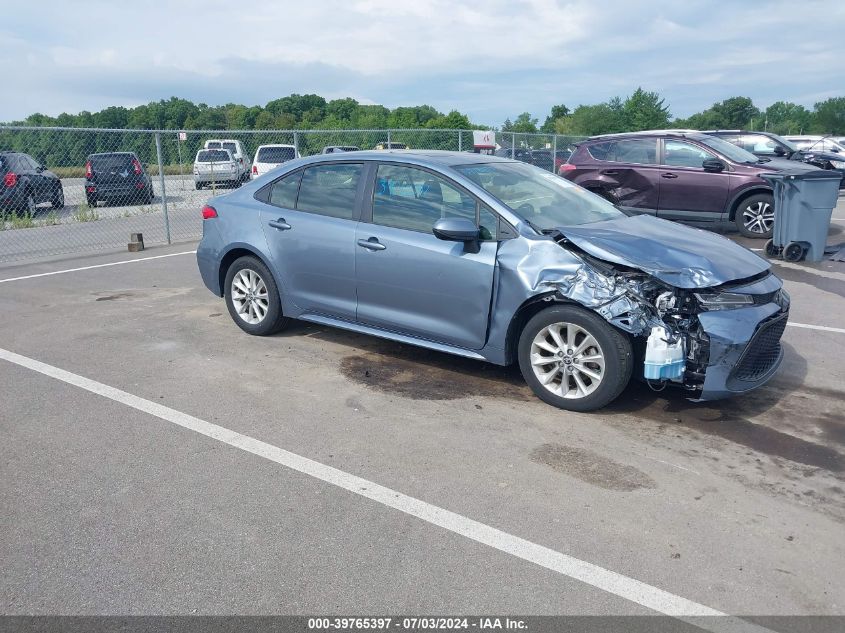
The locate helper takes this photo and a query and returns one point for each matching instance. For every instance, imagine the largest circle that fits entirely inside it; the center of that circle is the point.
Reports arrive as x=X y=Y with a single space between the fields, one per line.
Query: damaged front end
x=712 y=340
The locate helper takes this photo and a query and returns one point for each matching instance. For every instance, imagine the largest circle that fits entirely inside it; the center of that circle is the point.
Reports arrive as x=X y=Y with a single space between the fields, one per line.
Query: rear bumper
x=223 y=176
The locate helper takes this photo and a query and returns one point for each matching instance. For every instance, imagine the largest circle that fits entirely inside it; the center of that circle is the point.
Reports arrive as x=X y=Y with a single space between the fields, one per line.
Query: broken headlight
x=723 y=300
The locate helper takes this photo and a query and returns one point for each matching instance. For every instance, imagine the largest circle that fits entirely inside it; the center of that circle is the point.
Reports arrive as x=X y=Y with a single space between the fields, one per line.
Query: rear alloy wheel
x=573 y=359
x=29 y=206
x=253 y=298
x=755 y=216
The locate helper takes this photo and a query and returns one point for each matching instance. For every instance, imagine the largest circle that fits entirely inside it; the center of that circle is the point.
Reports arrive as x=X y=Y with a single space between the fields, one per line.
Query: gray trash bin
x=804 y=202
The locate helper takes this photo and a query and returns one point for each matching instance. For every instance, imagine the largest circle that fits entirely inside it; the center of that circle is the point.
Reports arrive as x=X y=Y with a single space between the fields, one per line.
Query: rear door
x=626 y=169
x=309 y=222
x=408 y=280
x=687 y=191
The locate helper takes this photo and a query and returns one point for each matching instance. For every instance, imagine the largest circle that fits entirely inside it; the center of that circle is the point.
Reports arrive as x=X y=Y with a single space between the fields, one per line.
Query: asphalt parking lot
x=152 y=464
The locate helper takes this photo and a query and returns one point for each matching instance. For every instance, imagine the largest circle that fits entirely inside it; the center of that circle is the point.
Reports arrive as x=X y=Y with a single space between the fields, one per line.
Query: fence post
x=161 y=184
x=388 y=140
x=554 y=154
x=460 y=147
x=296 y=142
x=513 y=145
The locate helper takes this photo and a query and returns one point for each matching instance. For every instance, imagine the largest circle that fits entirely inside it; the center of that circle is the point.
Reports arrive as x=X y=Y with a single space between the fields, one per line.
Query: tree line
x=641 y=110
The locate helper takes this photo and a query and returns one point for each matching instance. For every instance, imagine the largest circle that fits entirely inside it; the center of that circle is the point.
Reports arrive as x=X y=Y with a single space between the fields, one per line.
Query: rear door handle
x=372 y=244
x=279 y=224
x=610 y=172
x=668 y=175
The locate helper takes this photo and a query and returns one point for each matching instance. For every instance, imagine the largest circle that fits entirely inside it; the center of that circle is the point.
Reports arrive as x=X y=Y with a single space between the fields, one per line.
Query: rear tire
x=252 y=297
x=755 y=216
x=573 y=359
x=198 y=186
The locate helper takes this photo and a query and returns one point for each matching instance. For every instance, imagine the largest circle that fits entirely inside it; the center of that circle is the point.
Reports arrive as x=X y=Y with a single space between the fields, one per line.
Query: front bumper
x=745 y=349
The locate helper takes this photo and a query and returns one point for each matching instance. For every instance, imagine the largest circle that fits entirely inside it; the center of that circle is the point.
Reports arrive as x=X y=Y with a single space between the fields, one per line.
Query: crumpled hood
x=678 y=255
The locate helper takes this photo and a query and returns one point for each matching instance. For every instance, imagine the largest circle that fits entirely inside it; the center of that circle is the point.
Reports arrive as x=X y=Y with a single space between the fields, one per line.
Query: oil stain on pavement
x=591 y=467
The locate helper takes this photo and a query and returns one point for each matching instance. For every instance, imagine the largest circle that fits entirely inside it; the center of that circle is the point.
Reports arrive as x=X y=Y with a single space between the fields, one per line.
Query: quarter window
x=283 y=192
x=681 y=154
x=413 y=199
x=329 y=190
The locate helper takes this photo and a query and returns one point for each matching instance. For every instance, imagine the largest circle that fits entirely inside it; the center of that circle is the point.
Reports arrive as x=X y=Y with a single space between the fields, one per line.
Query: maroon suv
x=677 y=175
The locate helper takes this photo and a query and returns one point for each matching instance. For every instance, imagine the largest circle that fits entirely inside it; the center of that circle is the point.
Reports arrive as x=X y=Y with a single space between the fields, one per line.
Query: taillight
x=255 y=170
x=567 y=167
x=89 y=172
x=208 y=212
x=10 y=179
x=136 y=166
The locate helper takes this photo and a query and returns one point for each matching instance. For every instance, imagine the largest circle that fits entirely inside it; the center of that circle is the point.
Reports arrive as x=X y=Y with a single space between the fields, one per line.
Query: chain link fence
x=74 y=190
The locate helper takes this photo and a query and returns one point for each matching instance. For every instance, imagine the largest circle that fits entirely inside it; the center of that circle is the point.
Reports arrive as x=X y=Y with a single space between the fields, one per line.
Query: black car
x=25 y=183
x=117 y=177
x=773 y=147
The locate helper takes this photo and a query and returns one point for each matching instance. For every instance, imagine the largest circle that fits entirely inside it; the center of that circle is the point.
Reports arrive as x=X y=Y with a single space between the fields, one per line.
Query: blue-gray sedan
x=498 y=260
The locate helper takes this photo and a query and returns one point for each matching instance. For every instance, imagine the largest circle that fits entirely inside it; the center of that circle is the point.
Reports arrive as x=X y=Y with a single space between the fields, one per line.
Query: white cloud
x=492 y=59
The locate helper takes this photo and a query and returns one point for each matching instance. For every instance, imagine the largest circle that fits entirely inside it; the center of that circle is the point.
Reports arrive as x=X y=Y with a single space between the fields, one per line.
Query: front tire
x=573 y=359
x=252 y=297
x=58 y=200
x=755 y=216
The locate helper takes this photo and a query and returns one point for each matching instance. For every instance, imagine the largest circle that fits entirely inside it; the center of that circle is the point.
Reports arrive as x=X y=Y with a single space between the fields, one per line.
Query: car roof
x=693 y=134
x=277 y=145
x=426 y=158
x=112 y=154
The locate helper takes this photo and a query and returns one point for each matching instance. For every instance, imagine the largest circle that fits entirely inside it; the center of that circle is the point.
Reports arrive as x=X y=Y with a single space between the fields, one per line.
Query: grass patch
x=152 y=170
x=84 y=214
x=24 y=221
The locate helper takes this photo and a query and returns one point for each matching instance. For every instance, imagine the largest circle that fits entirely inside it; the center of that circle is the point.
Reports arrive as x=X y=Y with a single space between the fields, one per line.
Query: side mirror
x=713 y=164
x=455 y=230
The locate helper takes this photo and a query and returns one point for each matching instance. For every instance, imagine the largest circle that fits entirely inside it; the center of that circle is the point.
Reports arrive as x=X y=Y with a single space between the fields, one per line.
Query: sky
x=490 y=59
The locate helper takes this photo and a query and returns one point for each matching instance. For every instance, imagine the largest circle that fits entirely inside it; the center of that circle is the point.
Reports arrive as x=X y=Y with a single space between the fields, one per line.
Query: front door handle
x=372 y=244
x=279 y=224
x=668 y=175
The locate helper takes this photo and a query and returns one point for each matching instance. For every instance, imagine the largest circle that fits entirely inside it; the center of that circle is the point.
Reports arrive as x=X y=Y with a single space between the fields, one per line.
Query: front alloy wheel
x=574 y=359
x=756 y=216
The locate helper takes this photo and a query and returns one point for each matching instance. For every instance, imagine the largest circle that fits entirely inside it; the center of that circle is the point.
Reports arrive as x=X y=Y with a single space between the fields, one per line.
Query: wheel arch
x=233 y=254
x=523 y=314
x=742 y=196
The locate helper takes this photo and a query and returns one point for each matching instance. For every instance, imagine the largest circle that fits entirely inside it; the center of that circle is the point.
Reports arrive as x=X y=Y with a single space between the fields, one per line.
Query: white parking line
x=74 y=270
x=824 y=328
x=599 y=577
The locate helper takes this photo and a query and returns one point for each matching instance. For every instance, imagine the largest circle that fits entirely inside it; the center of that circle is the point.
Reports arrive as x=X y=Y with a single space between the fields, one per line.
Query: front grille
x=762 y=351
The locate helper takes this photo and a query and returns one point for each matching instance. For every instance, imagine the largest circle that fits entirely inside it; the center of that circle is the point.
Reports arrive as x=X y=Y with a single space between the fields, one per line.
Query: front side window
x=330 y=190
x=682 y=154
x=414 y=199
x=544 y=200
x=283 y=192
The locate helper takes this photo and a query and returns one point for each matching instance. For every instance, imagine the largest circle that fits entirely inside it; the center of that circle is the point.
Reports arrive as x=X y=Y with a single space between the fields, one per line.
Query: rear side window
x=275 y=154
x=601 y=151
x=330 y=190
x=283 y=192
x=642 y=151
x=231 y=147
x=213 y=156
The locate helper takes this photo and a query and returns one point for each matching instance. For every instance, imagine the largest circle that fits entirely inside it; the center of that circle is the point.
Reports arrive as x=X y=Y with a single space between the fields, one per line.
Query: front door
x=309 y=222
x=408 y=280
x=687 y=191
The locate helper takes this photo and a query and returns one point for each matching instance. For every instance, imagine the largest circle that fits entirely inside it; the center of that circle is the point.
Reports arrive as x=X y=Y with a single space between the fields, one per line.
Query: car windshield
x=731 y=151
x=792 y=147
x=213 y=156
x=275 y=154
x=546 y=201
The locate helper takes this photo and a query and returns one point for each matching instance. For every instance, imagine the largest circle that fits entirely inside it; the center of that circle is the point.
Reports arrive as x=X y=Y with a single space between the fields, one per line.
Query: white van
x=237 y=150
x=268 y=157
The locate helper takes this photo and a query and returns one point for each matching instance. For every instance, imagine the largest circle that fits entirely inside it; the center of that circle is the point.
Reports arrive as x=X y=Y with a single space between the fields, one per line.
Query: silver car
x=494 y=259
x=216 y=167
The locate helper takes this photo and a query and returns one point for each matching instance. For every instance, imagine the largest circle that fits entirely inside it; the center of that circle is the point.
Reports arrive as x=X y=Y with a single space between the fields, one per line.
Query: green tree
x=558 y=112
x=644 y=111
x=830 y=116
x=783 y=117
x=523 y=124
